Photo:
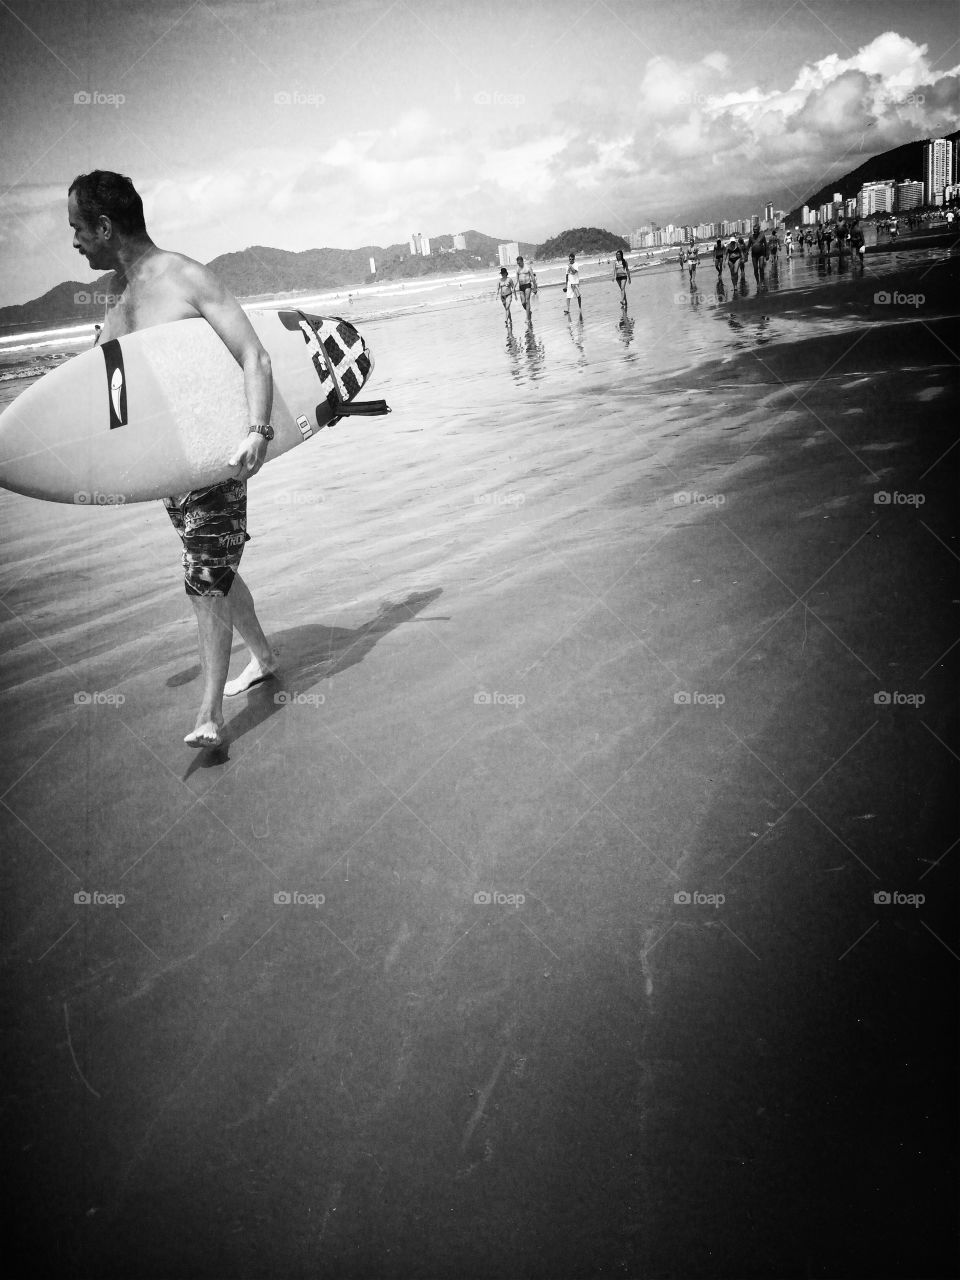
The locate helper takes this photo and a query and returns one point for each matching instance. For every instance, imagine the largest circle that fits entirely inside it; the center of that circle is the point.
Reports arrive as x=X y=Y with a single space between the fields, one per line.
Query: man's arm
x=227 y=318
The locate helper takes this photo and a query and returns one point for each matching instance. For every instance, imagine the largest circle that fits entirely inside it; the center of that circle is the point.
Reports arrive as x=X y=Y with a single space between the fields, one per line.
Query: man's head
x=572 y=256
x=104 y=209
x=520 y=261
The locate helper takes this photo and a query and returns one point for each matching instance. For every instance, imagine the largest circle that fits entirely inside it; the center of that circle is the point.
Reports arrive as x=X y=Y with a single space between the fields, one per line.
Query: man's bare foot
x=206 y=734
x=254 y=673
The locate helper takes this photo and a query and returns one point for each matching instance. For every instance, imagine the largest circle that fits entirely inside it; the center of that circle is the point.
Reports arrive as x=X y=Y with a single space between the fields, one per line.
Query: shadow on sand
x=308 y=653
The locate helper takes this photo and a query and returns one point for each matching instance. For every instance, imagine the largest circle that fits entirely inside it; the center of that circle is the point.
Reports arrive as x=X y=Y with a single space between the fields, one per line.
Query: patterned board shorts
x=212 y=524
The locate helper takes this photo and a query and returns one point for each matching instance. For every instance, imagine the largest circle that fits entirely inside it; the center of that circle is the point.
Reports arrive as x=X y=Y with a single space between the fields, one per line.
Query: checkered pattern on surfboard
x=348 y=354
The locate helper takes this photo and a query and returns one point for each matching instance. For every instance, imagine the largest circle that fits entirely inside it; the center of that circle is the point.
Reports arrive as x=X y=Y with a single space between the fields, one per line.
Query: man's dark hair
x=104 y=192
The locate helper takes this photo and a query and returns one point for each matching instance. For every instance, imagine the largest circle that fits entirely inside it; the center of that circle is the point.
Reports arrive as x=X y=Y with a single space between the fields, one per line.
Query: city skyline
x=240 y=131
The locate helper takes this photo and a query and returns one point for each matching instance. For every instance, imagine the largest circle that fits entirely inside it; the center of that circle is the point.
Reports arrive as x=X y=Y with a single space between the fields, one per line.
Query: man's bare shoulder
x=193 y=276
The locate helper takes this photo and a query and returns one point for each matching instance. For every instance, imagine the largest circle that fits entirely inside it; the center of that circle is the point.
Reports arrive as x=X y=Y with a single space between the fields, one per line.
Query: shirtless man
x=153 y=286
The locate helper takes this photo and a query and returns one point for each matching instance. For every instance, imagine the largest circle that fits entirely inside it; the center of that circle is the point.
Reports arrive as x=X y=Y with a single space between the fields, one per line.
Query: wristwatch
x=263 y=429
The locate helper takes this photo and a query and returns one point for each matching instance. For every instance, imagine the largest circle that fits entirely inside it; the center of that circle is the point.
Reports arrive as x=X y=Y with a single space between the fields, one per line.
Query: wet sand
x=585 y=658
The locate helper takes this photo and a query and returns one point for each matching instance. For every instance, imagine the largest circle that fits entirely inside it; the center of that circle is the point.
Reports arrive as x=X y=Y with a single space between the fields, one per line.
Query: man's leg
x=262 y=664
x=215 y=634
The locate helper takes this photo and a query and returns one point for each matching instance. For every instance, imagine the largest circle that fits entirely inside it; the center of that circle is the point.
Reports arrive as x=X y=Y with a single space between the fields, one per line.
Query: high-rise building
x=806 y=215
x=850 y=207
x=460 y=241
x=373 y=266
x=939 y=169
x=838 y=197
x=508 y=254
x=876 y=197
x=414 y=247
x=909 y=195
x=768 y=212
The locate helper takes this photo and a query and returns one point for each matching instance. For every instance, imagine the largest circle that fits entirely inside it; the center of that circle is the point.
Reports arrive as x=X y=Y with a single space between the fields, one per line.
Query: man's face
x=88 y=240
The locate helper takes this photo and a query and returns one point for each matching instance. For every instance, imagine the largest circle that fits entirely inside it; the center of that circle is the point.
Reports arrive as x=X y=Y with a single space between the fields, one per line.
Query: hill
x=587 y=240
x=900 y=164
x=260 y=271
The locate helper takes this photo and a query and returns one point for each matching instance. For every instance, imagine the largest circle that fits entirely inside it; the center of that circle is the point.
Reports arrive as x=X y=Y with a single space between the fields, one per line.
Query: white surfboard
x=161 y=411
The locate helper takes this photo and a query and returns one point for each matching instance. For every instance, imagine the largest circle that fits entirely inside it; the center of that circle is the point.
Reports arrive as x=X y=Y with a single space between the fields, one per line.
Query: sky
x=304 y=123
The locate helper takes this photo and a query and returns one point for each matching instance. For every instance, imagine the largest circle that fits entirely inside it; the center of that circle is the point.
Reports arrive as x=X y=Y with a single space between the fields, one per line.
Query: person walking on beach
x=505 y=292
x=718 y=256
x=155 y=286
x=857 y=242
x=526 y=285
x=828 y=237
x=734 y=259
x=693 y=260
x=621 y=274
x=759 y=252
x=572 y=285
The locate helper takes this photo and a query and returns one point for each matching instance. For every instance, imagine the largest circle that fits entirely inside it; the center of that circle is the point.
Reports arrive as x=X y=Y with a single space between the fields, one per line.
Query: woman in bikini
x=621 y=273
x=505 y=292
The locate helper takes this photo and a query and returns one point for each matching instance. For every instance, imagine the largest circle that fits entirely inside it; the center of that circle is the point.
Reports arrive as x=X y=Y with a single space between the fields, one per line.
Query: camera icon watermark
x=295 y=898
x=98 y=699
x=494 y=897
x=883 y=698
x=96 y=298
x=497 y=699
x=488 y=98
x=884 y=299
x=511 y=498
x=686 y=898
x=96 y=898
x=886 y=498
x=693 y=498
x=94 y=498
x=683 y=698
x=84 y=98
x=296 y=98
x=885 y=898
x=287 y=699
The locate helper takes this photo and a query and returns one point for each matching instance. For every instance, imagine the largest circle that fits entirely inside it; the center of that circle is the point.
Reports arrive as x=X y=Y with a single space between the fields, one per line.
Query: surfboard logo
x=116 y=382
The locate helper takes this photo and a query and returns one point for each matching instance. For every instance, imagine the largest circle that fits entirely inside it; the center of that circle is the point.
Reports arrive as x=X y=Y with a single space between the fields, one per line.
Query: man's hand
x=250 y=456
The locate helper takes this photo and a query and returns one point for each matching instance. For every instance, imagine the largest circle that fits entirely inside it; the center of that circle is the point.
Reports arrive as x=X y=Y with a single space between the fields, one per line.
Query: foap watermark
x=886 y=898
x=887 y=498
x=96 y=898
x=497 y=699
x=691 y=298
x=299 y=499
x=507 y=498
x=696 y=898
x=693 y=498
x=696 y=699
x=85 y=98
x=296 y=898
x=86 y=298
x=94 y=498
x=297 y=98
x=496 y=898
x=287 y=699
x=910 y=100
x=693 y=100
x=494 y=98
x=898 y=699
x=98 y=699
x=884 y=299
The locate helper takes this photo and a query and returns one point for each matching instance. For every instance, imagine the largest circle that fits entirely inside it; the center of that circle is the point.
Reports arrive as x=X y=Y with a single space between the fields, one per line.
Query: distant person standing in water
x=621 y=273
x=505 y=292
x=526 y=284
x=572 y=285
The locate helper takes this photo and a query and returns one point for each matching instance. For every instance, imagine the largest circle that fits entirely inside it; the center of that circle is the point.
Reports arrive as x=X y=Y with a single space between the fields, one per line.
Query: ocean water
x=447 y=338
